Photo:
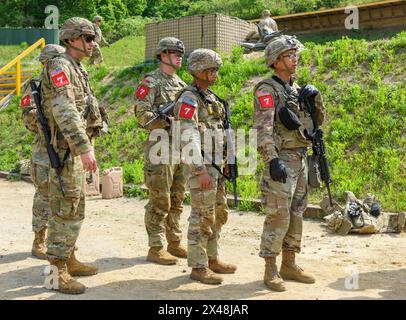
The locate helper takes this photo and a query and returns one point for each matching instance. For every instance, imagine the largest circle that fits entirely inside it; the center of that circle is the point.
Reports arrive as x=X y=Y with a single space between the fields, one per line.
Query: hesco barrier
x=375 y=15
x=10 y=36
x=212 y=31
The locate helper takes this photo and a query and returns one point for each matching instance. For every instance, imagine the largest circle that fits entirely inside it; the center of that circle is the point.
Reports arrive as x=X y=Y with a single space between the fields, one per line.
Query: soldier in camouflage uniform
x=166 y=182
x=39 y=159
x=199 y=111
x=97 y=56
x=281 y=122
x=267 y=21
x=65 y=98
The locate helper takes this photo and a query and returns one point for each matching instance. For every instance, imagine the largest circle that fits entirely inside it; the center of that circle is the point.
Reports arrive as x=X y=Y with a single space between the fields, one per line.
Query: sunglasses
x=177 y=53
x=89 y=39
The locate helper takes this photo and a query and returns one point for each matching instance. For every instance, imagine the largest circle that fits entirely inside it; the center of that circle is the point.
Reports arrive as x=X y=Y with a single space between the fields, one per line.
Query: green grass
x=126 y=52
x=7 y=53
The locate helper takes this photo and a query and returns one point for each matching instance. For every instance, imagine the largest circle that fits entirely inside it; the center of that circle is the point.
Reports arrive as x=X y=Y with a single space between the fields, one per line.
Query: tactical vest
x=211 y=115
x=283 y=137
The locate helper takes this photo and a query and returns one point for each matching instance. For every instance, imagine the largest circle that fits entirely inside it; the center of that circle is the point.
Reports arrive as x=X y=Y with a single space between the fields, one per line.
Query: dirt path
x=113 y=236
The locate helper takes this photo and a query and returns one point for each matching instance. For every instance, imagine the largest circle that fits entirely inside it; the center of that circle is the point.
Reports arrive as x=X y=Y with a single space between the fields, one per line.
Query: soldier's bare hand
x=89 y=161
x=205 y=181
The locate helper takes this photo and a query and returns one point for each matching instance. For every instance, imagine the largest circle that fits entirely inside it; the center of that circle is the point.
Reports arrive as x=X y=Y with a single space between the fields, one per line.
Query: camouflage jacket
x=155 y=91
x=268 y=22
x=201 y=128
x=273 y=136
x=65 y=95
x=99 y=36
x=39 y=153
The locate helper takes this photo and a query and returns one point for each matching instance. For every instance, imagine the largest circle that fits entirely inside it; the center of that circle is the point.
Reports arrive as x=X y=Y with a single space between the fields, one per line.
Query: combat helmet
x=203 y=59
x=97 y=18
x=169 y=43
x=75 y=27
x=50 y=51
x=279 y=45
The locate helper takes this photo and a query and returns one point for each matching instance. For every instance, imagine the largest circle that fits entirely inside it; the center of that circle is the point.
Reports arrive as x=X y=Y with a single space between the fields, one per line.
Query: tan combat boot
x=66 y=284
x=39 y=248
x=291 y=271
x=161 y=256
x=272 y=279
x=177 y=250
x=217 y=266
x=79 y=269
x=204 y=275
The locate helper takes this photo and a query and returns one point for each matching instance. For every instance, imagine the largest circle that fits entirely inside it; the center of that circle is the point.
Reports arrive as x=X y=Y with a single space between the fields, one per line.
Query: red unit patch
x=26 y=101
x=266 y=101
x=142 y=92
x=60 y=79
x=186 y=111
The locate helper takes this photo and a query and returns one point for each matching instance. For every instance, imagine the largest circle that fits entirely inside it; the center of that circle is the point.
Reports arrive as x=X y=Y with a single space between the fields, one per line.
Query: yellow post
x=18 y=77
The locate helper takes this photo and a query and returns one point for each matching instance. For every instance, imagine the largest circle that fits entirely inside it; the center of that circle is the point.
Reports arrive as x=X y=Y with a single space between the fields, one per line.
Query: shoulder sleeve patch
x=266 y=101
x=186 y=111
x=59 y=78
x=26 y=101
x=142 y=91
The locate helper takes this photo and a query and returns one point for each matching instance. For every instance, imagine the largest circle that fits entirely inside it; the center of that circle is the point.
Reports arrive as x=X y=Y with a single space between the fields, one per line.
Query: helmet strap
x=78 y=49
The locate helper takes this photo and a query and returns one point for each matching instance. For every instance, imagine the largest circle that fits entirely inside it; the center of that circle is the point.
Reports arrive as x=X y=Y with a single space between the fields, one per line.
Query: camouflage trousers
x=40 y=208
x=209 y=213
x=285 y=204
x=166 y=185
x=97 y=56
x=67 y=212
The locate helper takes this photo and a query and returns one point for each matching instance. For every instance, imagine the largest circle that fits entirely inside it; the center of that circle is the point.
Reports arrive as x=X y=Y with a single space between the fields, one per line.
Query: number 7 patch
x=60 y=79
x=267 y=101
x=186 y=111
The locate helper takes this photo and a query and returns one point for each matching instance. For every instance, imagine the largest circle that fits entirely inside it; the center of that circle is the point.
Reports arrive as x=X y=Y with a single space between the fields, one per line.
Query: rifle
x=164 y=111
x=231 y=157
x=53 y=156
x=319 y=149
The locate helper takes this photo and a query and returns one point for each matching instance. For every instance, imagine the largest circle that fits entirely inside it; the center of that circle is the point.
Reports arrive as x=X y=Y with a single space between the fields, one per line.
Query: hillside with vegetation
x=363 y=86
x=128 y=17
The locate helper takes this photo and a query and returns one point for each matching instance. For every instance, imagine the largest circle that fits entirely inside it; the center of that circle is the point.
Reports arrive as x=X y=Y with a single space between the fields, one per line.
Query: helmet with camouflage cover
x=75 y=27
x=97 y=18
x=203 y=59
x=169 y=43
x=50 y=51
x=279 y=45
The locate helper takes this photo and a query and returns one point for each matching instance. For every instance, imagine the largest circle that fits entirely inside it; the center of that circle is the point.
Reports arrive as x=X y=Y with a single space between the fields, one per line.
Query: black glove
x=278 y=170
x=308 y=91
x=375 y=210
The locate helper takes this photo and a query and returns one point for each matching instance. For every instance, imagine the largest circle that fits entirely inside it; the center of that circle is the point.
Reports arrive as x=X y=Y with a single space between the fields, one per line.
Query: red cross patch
x=60 y=79
x=186 y=111
x=26 y=101
x=142 y=92
x=267 y=101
